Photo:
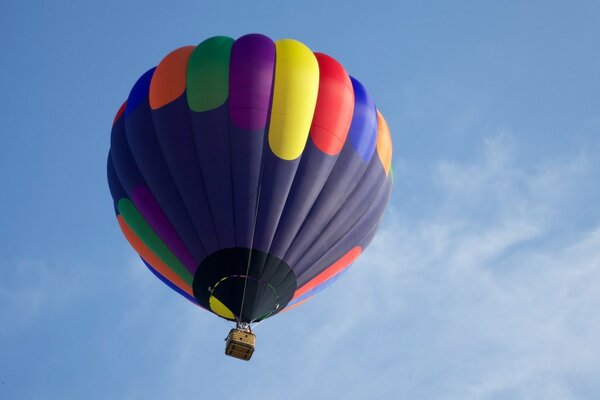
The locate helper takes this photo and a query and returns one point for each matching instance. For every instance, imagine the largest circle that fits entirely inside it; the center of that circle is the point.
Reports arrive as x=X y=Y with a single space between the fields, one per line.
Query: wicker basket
x=240 y=344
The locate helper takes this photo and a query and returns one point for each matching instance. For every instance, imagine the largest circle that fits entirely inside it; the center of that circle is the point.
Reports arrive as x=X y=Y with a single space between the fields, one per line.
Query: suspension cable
x=251 y=249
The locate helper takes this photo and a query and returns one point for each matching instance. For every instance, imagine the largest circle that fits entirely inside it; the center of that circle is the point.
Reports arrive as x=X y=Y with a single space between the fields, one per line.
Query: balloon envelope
x=249 y=174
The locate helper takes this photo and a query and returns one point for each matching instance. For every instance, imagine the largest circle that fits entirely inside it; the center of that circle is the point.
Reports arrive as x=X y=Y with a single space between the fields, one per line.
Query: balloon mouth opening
x=244 y=285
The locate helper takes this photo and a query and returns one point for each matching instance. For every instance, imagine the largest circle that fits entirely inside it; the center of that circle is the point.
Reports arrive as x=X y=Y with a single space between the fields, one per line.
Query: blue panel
x=169 y=284
x=363 y=131
x=139 y=92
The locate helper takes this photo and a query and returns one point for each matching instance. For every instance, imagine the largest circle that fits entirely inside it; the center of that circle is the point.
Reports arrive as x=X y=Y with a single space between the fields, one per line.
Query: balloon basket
x=240 y=344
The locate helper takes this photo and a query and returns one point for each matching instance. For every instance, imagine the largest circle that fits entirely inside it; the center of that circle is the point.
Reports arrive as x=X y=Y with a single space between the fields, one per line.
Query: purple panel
x=251 y=80
x=148 y=206
x=251 y=72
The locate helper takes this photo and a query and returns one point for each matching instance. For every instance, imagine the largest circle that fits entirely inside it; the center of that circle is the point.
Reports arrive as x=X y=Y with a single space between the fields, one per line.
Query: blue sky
x=483 y=283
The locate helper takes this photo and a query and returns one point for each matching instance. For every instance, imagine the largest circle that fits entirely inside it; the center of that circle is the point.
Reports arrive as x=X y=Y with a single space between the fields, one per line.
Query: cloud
x=30 y=288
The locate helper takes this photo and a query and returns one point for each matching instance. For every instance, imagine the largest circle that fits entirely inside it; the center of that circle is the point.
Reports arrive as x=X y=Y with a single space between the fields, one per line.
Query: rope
x=251 y=249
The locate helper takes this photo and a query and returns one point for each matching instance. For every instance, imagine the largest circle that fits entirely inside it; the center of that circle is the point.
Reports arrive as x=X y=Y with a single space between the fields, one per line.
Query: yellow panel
x=294 y=98
x=220 y=308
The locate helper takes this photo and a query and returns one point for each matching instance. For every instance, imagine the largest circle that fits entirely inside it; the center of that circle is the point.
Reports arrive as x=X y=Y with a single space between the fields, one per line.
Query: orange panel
x=384 y=143
x=168 y=81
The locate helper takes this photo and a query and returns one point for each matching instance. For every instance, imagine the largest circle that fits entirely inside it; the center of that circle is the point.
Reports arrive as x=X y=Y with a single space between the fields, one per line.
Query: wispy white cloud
x=30 y=288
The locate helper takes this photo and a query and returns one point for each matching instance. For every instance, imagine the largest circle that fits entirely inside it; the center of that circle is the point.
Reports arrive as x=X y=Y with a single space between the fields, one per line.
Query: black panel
x=269 y=282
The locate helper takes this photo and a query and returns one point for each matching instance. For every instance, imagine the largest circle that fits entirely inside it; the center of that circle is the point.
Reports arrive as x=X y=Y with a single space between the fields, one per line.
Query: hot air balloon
x=249 y=175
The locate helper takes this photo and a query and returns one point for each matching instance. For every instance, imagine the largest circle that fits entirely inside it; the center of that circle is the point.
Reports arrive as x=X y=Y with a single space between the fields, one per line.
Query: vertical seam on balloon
x=291 y=270
x=259 y=191
x=174 y=182
x=202 y=177
x=232 y=192
x=111 y=171
x=373 y=205
x=203 y=183
x=268 y=148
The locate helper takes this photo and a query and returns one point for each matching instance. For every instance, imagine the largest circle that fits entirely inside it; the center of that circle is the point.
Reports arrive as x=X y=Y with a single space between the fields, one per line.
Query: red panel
x=330 y=272
x=335 y=105
x=120 y=112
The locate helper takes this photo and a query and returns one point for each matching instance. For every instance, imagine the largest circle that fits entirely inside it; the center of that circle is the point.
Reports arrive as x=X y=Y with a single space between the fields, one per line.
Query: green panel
x=145 y=232
x=207 y=80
